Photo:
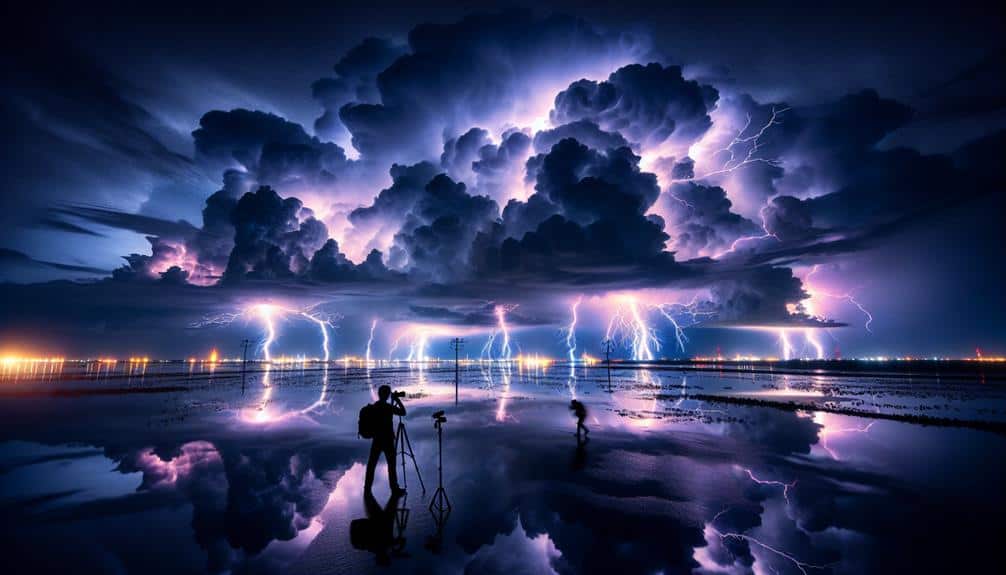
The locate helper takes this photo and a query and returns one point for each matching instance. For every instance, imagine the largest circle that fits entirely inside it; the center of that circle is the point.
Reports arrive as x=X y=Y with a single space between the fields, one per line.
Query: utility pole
x=456 y=344
x=608 y=346
x=244 y=362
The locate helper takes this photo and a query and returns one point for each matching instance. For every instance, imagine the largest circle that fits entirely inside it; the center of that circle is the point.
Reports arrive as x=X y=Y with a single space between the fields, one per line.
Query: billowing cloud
x=647 y=104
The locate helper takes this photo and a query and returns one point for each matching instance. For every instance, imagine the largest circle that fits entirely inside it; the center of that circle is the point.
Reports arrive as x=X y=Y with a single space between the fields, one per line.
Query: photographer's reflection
x=580 y=455
x=376 y=532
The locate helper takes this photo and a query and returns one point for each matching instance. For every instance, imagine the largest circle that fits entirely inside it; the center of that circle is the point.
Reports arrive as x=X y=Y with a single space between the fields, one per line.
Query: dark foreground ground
x=709 y=471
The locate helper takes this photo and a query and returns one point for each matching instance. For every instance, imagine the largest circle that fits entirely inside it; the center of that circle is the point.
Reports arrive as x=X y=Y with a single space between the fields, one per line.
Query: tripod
x=403 y=447
x=440 y=501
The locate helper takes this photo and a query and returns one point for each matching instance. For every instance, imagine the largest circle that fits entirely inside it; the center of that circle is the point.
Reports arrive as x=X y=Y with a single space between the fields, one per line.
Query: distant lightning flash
x=265 y=313
x=268 y=313
x=505 y=352
x=502 y=332
x=810 y=335
x=628 y=323
x=370 y=340
x=784 y=343
x=571 y=330
x=848 y=297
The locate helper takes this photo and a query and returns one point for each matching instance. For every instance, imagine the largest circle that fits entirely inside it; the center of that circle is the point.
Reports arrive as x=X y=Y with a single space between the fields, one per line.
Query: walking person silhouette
x=380 y=426
x=580 y=411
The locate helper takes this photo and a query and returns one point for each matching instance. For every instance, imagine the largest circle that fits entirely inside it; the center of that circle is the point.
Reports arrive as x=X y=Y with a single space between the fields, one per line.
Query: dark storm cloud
x=594 y=206
x=758 y=296
x=328 y=264
x=355 y=81
x=702 y=220
x=11 y=261
x=274 y=237
x=584 y=131
x=278 y=152
x=500 y=168
x=65 y=226
x=647 y=104
x=459 y=153
x=872 y=192
x=467 y=73
x=141 y=224
x=435 y=241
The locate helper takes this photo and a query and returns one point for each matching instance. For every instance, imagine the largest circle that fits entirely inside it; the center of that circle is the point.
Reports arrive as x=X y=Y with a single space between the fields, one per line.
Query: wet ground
x=711 y=471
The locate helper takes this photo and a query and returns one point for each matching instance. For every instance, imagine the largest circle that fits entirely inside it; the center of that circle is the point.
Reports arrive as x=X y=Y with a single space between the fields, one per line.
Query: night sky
x=830 y=173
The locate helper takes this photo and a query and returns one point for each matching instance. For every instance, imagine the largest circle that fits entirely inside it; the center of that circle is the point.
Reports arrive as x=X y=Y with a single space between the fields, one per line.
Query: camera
x=439 y=418
x=398 y=394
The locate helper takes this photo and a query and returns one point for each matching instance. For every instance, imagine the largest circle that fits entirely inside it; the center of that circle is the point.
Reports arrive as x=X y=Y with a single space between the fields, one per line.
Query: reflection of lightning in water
x=370 y=340
x=505 y=395
x=710 y=529
x=785 y=486
x=571 y=346
x=324 y=391
x=825 y=432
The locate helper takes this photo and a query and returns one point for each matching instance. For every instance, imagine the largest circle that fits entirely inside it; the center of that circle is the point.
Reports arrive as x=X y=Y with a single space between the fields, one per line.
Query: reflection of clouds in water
x=516 y=552
x=265 y=504
x=159 y=473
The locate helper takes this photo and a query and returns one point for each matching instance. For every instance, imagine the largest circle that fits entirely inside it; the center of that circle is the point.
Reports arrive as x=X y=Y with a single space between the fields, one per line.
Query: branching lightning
x=754 y=143
x=267 y=314
x=847 y=297
x=800 y=565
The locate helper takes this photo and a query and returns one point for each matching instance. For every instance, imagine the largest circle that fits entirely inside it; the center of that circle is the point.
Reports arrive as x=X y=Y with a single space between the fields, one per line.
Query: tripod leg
x=400 y=450
x=412 y=454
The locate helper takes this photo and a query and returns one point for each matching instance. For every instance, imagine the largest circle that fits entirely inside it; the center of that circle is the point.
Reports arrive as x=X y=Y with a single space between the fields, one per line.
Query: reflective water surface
x=192 y=473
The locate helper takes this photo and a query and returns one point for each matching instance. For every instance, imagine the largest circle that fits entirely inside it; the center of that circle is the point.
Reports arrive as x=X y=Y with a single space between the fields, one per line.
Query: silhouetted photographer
x=580 y=411
x=377 y=423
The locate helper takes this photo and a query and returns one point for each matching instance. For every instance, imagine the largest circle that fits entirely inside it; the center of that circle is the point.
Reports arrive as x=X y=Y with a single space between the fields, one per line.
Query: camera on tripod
x=398 y=394
x=439 y=418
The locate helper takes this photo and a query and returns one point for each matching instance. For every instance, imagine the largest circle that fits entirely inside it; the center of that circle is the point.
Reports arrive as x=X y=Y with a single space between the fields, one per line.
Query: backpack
x=366 y=427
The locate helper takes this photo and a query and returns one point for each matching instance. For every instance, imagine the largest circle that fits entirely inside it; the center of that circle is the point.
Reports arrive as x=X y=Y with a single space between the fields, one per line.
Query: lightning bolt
x=370 y=340
x=847 y=297
x=784 y=343
x=265 y=312
x=810 y=335
x=571 y=330
x=754 y=144
x=785 y=486
x=800 y=565
x=323 y=326
x=505 y=352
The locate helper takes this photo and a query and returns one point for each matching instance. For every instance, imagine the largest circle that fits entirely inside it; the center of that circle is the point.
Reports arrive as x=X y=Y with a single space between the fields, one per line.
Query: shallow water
x=204 y=474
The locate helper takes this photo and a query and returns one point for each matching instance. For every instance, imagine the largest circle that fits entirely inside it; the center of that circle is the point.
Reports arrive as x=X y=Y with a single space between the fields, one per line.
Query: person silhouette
x=384 y=438
x=580 y=411
x=376 y=532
